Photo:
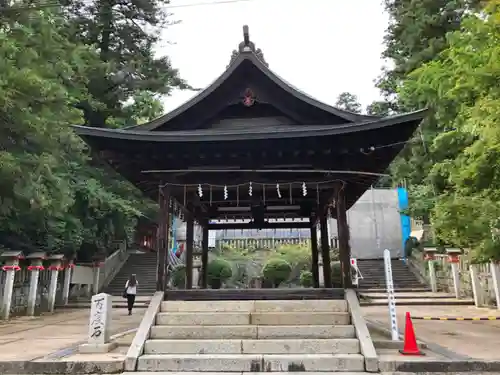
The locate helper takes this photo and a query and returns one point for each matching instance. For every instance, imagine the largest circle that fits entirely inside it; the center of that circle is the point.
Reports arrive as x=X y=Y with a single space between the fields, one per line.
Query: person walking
x=130 y=292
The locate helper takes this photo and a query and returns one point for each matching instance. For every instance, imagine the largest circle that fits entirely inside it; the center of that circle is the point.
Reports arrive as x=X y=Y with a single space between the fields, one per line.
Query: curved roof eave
x=231 y=135
x=249 y=55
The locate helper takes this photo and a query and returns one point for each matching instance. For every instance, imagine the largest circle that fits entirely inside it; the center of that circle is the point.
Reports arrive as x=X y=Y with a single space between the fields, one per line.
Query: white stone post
x=68 y=270
x=495 y=275
x=36 y=260
x=391 y=298
x=476 y=286
x=430 y=256
x=454 y=260
x=99 y=325
x=96 y=271
x=432 y=275
x=55 y=267
x=10 y=267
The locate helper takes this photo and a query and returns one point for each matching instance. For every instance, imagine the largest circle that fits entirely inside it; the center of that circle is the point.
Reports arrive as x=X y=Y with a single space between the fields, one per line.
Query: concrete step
x=253 y=332
x=250 y=362
x=269 y=346
x=257 y=318
x=300 y=318
x=301 y=306
x=421 y=302
x=252 y=373
x=255 y=306
x=407 y=295
x=202 y=318
x=207 y=306
x=363 y=289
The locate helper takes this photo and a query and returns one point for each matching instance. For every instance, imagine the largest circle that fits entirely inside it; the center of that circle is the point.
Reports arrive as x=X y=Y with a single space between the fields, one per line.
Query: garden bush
x=306 y=279
x=276 y=271
x=178 y=276
x=218 y=271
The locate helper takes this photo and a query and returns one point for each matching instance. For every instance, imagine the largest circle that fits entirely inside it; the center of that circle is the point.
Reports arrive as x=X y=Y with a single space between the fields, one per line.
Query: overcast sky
x=323 y=47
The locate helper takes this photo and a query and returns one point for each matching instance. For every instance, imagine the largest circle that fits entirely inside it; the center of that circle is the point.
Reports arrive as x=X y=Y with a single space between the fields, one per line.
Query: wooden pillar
x=189 y=251
x=325 y=251
x=343 y=234
x=162 y=240
x=314 y=254
x=204 y=257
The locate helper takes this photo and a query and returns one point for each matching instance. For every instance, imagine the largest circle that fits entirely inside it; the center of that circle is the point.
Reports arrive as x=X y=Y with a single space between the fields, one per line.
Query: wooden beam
x=163 y=233
x=314 y=256
x=267 y=225
x=204 y=257
x=343 y=234
x=325 y=251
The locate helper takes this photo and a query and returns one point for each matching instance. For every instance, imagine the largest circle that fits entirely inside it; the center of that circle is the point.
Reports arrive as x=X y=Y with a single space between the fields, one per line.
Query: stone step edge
x=275 y=313
x=248 y=372
x=277 y=341
x=251 y=362
x=249 y=356
x=252 y=346
x=421 y=303
x=264 y=326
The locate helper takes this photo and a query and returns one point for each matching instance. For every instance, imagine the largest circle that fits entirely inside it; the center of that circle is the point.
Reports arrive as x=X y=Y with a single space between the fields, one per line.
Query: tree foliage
x=460 y=86
x=416 y=35
x=445 y=58
x=53 y=196
x=348 y=102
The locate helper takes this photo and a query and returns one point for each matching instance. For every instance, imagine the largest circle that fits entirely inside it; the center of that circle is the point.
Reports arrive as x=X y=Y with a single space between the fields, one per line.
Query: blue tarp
x=405 y=219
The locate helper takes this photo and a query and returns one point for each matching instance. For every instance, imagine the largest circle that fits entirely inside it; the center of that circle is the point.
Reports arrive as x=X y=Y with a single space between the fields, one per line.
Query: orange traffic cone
x=410 y=343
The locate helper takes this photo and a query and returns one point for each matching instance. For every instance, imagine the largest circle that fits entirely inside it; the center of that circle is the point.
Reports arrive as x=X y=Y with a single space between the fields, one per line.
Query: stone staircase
x=373 y=272
x=143 y=264
x=253 y=336
x=408 y=289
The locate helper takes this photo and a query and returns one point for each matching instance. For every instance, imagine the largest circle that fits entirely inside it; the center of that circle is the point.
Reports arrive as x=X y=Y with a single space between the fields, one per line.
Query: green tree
x=348 y=102
x=52 y=198
x=461 y=88
x=379 y=108
x=417 y=34
x=129 y=75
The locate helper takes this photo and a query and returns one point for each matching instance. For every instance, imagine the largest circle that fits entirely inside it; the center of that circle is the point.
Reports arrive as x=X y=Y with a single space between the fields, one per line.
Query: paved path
x=26 y=338
x=475 y=339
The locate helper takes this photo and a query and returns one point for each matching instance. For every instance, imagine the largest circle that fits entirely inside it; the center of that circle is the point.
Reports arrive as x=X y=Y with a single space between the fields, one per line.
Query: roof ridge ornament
x=247 y=46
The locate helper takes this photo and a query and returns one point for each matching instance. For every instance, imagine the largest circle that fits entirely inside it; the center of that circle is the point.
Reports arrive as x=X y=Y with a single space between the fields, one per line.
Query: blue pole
x=174 y=242
x=405 y=219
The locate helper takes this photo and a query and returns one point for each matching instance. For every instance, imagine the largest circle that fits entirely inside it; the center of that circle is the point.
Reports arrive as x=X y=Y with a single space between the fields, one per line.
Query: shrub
x=218 y=271
x=178 y=276
x=306 y=279
x=336 y=274
x=276 y=271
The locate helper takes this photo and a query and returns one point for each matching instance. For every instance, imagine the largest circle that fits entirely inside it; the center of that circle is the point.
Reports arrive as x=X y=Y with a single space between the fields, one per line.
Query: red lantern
x=55 y=268
x=453 y=258
x=11 y=268
x=36 y=268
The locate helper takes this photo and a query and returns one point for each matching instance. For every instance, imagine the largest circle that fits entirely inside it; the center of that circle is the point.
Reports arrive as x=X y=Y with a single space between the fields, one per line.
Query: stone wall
x=375 y=224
